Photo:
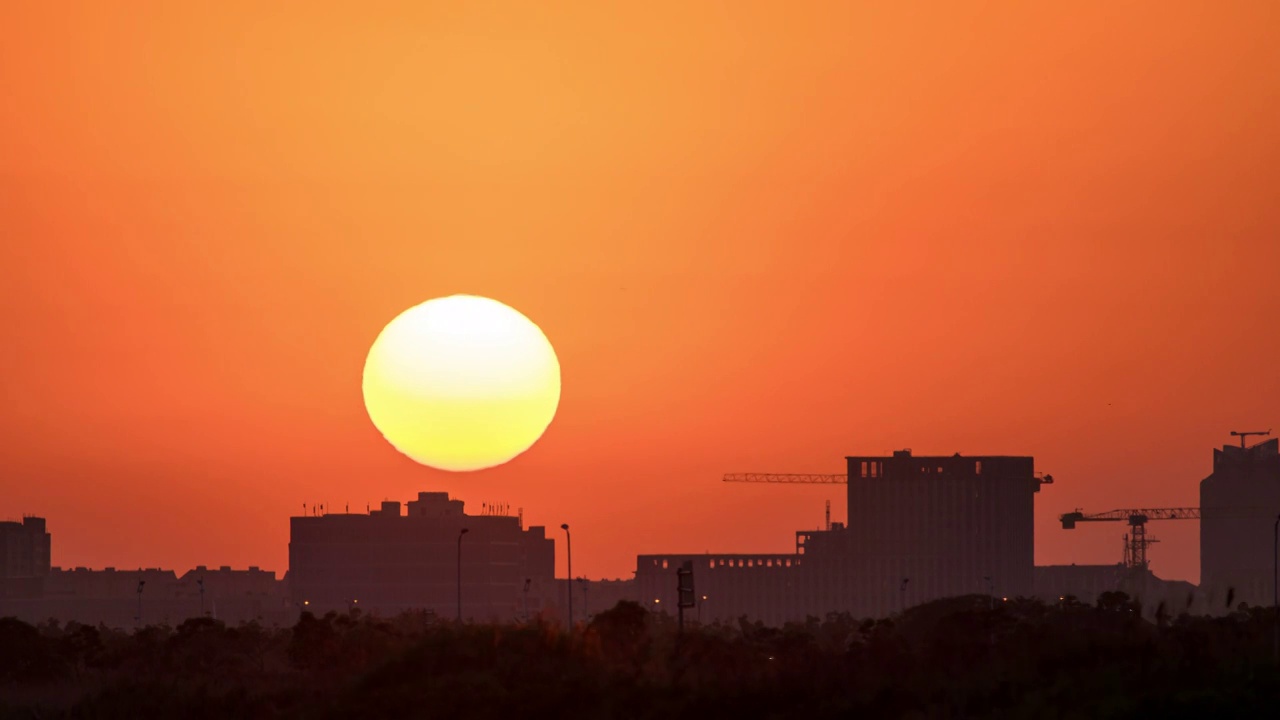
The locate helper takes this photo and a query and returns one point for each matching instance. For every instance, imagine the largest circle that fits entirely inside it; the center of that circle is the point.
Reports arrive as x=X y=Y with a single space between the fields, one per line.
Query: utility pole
x=902 y=591
x=464 y=532
x=568 y=554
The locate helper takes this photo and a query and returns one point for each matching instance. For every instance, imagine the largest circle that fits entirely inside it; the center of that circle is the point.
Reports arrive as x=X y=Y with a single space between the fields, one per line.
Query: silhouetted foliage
x=960 y=657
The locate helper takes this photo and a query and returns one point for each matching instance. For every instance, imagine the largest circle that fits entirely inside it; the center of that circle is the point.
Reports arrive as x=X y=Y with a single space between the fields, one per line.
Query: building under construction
x=1239 y=508
x=919 y=528
x=431 y=557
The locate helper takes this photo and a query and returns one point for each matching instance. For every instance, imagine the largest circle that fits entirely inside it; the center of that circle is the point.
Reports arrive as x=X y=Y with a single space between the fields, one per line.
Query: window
x=977 y=467
x=864 y=468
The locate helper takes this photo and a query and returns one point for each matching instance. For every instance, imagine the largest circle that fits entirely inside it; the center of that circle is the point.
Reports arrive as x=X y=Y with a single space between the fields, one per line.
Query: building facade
x=765 y=587
x=1239 y=505
x=24 y=557
x=389 y=561
x=923 y=528
x=919 y=528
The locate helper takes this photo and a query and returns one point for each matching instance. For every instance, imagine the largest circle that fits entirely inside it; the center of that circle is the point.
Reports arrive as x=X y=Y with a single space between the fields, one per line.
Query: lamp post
x=141 y=583
x=526 y=599
x=568 y=554
x=464 y=532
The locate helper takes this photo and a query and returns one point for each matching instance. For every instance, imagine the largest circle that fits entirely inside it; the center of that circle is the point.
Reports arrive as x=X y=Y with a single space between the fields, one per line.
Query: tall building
x=388 y=561
x=922 y=528
x=1239 y=504
x=24 y=557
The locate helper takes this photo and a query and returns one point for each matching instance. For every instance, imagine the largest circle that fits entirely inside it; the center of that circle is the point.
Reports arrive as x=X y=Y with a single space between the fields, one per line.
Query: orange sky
x=760 y=236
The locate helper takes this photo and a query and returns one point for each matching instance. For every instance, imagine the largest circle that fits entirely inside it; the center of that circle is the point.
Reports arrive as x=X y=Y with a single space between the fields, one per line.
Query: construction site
x=921 y=528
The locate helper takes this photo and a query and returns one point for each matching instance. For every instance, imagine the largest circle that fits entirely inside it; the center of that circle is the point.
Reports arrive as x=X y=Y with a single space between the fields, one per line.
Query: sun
x=461 y=383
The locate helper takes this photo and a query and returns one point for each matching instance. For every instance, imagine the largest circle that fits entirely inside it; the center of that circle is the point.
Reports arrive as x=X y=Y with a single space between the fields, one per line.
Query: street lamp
x=704 y=602
x=464 y=532
x=141 y=583
x=526 y=599
x=568 y=554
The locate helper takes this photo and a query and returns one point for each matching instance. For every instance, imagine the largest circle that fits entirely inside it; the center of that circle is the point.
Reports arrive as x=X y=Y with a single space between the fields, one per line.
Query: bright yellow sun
x=461 y=383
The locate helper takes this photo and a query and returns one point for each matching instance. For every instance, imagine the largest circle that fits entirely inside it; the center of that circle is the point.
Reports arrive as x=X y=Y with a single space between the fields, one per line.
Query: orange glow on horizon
x=763 y=236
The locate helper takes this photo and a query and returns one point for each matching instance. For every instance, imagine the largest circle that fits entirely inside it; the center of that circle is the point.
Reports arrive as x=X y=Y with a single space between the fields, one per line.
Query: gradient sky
x=761 y=236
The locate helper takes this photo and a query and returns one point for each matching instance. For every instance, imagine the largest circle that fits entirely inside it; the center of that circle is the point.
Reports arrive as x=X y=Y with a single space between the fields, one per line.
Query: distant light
x=1006 y=599
x=306 y=602
x=1062 y=597
x=657 y=600
x=704 y=597
x=355 y=601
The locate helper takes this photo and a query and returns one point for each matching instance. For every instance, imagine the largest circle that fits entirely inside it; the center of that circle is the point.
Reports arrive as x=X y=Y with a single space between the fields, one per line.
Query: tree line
x=968 y=657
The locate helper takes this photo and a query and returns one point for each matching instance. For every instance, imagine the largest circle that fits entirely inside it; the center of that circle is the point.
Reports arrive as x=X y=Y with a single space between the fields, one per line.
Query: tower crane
x=1243 y=435
x=1136 y=541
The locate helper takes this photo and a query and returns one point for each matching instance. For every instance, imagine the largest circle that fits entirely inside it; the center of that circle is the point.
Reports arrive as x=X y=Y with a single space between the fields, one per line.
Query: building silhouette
x=919 y=528
x=766 y=587
x=24 y=557
x=390 y=561
x=923 y=528
x=1239 y=504
x=110 y=596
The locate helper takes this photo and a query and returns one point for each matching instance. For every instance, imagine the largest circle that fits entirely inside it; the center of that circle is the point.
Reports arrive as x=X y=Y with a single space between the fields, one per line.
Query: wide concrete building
x=390 y=561
x=766 y=587
x=1239 y=505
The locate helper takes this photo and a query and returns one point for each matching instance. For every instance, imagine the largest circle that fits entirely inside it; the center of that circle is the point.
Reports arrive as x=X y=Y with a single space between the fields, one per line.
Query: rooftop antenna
x=1243 y=435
